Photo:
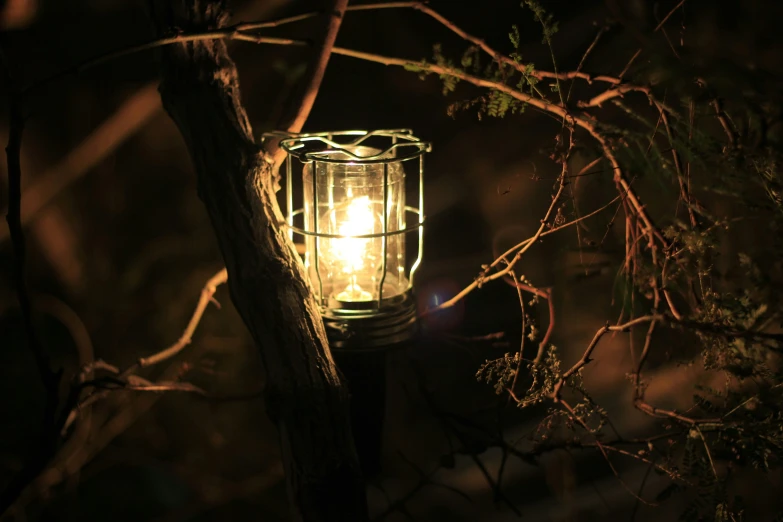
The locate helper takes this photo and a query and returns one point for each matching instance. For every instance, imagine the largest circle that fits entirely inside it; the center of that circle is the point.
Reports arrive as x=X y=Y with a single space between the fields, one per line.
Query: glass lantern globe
x=354 y=221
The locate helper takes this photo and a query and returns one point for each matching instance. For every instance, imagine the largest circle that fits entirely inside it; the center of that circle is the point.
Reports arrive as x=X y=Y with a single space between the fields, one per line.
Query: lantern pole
x=364 y=374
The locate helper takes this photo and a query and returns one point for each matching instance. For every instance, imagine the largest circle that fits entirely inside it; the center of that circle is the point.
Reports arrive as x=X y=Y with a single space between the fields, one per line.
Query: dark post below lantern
x=354 y=220
x=365 y=375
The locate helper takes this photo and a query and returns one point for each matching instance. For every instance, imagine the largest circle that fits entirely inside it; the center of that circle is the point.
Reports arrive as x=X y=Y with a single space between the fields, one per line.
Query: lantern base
x=356 y=330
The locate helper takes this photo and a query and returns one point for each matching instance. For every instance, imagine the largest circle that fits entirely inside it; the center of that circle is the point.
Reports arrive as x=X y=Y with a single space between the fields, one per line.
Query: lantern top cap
x=349 y=147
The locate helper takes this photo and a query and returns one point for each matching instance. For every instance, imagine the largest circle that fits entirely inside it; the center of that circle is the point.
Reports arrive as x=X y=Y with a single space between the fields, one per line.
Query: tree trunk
x=304 y=394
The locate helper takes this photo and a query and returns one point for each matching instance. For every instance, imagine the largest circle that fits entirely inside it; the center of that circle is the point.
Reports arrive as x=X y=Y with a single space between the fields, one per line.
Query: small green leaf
x=514 y=36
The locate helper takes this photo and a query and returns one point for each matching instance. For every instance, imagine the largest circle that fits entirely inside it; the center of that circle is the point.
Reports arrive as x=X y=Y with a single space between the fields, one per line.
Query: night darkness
x=652 y=202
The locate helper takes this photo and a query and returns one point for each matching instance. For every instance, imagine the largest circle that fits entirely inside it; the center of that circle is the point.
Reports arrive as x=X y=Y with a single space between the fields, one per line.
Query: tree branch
x=135 y=111
x=540 y=103
x=503 y=258
x=207 y=296
x=49 y=379
x=303 y=102
x=304 y=395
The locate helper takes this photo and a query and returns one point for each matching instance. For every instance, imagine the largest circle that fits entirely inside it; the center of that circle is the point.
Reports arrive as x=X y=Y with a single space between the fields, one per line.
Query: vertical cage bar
x=316 y=254
x=421 y=220
x=385 y=231
x=289 y=194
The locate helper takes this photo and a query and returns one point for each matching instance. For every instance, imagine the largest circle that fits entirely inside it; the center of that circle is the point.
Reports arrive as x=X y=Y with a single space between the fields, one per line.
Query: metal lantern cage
x=354 y=221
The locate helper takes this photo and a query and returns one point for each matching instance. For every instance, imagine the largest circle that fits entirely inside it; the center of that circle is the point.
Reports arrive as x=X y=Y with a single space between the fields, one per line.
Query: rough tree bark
x=304 y=394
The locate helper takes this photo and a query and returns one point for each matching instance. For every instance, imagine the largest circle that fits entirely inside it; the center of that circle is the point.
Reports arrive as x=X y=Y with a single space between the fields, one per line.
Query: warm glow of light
x=350 y=252
x=353 y=215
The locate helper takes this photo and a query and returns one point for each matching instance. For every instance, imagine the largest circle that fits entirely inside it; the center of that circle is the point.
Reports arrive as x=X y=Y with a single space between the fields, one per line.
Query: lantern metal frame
x=382 y=321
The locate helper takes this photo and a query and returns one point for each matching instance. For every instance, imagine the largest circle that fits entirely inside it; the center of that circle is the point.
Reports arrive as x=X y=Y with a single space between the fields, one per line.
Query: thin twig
x=662 y=413
x=587 y=355
x=510 y=264
x=541 y=104
x=233 y=34
x=451 y=26
x=13 y=217
x=504 y=257
x=639 y=391
x=206 y=297
x=521 y=352
x=134 y=112
x=684 y=193
x=228 y=33
x=268 y=24
x=707 y=450
x=657 y=28
x=731 y=134
x=550 y=328
x=602 y=449
x=641 y=490
x=49 y=378
x=545 y=294
x=302 y=102
x=616 y=92
x=136 y=383
x=137 y=110
x=590 y=48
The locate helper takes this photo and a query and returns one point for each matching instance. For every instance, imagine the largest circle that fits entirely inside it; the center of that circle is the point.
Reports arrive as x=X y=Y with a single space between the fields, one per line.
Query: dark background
x=118 y=257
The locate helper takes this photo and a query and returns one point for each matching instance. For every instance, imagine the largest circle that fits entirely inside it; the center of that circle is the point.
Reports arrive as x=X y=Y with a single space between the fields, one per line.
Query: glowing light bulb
x=350 y=252
x=345 y=201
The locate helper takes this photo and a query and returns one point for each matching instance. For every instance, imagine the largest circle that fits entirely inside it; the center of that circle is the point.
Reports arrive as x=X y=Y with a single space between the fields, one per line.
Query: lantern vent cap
x=353 y=146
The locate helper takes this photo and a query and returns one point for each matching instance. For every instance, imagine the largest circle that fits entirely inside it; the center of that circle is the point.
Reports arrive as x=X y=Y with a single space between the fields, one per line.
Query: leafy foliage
x=547 y=20
x=714 y=180
x=449 y=81
x=499 y=372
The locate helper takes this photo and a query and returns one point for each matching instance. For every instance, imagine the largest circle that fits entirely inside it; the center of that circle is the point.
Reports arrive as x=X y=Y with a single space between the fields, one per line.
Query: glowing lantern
x=354 y=220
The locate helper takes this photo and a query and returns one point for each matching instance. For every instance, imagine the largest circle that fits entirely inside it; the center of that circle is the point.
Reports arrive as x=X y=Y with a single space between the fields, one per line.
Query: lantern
x=355 y=222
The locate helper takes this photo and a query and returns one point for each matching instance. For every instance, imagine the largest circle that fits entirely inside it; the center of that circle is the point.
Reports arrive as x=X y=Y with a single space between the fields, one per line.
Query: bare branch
x=521 y=351
x=13 y=216
x=136 y=383
x=587 y=355
x=228 y=33
x=132 y=115
x=207 y=296
x=602 y=448
x=684 y=192
x=49 y=379
x=303 y=101
x=137 y=110
x=503 y=258
x=657 y=28
x=731 y=134
x=590 y=48
x=542 y=104
x=550 y=328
